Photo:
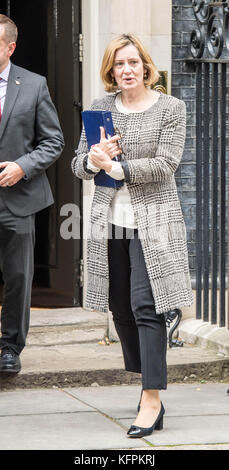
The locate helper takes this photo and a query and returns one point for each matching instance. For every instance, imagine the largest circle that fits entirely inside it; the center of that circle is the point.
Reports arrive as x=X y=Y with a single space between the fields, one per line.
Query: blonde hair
x=109 y=56
x=10 y=29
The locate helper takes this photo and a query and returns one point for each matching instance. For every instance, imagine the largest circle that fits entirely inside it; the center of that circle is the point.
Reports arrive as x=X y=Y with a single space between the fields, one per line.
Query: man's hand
x=10 y=173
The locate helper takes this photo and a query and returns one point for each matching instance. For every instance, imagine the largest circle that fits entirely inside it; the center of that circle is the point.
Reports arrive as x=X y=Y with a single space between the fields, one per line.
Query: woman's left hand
x=101 y=154
x=109 y=145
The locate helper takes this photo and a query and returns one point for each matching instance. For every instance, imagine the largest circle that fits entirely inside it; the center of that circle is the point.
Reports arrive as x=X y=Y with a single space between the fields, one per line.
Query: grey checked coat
x=152 y=143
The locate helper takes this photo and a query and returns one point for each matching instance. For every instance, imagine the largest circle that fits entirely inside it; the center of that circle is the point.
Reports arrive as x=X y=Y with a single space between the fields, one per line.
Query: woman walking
x=137 y=250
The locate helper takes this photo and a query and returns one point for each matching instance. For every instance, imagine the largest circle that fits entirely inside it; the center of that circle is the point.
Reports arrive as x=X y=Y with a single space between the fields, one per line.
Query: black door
x=48 y=44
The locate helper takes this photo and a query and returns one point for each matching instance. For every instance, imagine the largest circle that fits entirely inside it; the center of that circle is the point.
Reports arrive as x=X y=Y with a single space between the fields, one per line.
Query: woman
x=140 y=272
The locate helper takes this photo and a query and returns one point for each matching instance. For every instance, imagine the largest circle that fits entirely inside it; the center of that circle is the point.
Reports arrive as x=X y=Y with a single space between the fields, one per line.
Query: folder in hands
x=93 y=120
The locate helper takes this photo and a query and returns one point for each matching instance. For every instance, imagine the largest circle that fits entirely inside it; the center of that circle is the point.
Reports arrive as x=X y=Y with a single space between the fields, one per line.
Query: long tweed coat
x=152 y=143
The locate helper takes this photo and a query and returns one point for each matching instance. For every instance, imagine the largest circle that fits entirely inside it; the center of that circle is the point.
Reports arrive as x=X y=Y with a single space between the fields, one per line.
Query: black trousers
x=17 y=238
x=141 y=331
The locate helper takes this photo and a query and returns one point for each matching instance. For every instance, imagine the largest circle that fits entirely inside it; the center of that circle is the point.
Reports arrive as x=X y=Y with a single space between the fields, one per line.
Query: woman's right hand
x=99 y=158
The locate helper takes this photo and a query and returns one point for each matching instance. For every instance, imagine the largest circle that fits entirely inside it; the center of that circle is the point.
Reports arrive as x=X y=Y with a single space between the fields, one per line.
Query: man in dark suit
x=30 y=141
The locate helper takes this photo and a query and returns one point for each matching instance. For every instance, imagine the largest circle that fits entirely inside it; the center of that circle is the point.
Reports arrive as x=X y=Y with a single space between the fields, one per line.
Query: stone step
x=65 y=326
x=64 y=347
x=76 y=316
x=70 y=326
x=84 y=364
x=63 y=335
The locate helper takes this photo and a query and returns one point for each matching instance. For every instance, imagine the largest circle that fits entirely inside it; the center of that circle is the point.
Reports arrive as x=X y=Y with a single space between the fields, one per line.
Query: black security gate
x=210 y=60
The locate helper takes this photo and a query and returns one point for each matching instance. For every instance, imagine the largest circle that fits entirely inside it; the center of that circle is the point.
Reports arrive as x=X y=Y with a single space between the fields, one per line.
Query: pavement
x=98 y=417
x=73 y=392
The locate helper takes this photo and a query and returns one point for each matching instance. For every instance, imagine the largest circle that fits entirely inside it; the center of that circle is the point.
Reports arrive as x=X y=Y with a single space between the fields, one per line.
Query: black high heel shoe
x=137 y=431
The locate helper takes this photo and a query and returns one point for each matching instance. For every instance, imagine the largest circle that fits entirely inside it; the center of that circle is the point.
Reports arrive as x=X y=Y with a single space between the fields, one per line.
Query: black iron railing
x=209 y=58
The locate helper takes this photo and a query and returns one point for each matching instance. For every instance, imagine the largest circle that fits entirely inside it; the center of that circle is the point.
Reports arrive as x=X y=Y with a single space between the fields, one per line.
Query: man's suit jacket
x=30 y=135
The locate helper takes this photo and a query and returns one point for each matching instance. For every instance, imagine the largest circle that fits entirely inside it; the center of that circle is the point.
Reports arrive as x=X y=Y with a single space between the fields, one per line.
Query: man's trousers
x=17 y=238
x=142 y=332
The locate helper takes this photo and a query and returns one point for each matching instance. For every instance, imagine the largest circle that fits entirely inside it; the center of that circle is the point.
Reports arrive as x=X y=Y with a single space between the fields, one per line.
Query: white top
x=3 y=84
x=121 y=210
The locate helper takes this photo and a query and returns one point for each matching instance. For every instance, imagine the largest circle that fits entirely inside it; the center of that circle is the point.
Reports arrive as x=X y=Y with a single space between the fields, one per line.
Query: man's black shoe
x=9 y=361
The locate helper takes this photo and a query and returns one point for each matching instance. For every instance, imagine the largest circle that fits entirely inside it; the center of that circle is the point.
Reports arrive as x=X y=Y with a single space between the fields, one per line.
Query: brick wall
x=183 y=87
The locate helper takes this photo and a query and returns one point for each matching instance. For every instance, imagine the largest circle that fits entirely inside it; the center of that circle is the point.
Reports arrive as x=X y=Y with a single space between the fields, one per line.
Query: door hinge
x=80 y=47
x=81 y=272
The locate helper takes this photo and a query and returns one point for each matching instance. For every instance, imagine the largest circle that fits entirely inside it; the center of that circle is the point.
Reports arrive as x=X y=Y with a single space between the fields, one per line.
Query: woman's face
x=128 y=69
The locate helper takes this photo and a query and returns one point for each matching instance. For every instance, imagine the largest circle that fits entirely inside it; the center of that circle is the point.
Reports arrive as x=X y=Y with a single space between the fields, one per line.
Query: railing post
x=199 y=177
x=206 y=190
x=222 y=196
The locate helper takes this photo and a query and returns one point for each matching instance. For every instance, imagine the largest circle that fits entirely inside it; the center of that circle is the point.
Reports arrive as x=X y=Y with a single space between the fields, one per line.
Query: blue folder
x=93 y=120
